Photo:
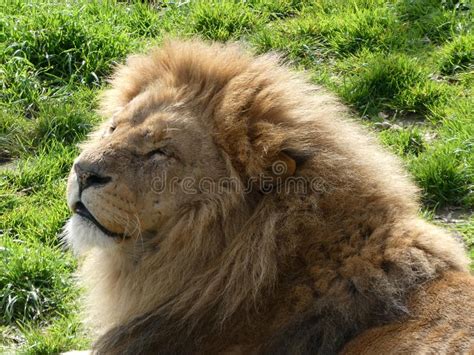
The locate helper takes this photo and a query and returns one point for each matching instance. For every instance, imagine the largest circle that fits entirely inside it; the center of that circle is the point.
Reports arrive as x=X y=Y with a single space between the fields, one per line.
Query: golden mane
x=259 y=267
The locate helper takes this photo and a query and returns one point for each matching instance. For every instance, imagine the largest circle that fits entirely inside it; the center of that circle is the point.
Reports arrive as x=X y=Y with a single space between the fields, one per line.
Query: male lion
x=227 y=206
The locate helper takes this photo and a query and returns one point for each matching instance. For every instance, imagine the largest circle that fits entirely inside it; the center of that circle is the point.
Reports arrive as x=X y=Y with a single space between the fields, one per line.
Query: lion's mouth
x=82 y=211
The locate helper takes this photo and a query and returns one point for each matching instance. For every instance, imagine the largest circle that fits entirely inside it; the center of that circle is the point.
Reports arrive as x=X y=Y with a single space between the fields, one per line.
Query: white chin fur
x=81 y=235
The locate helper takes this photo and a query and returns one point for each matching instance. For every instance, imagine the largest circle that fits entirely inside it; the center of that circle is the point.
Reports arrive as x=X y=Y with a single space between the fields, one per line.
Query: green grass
x=457 y=55
x=405 y=67
x=391 y=82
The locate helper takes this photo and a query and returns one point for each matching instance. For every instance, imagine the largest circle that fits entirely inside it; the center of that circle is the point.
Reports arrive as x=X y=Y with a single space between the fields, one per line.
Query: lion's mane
x=294 y=271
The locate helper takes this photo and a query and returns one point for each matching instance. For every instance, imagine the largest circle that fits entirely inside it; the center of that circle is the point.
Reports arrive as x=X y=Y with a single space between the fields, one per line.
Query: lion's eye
x=157 y=152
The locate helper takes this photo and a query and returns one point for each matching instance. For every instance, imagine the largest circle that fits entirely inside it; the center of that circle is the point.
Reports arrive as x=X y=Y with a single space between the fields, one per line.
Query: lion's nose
x=88 y=176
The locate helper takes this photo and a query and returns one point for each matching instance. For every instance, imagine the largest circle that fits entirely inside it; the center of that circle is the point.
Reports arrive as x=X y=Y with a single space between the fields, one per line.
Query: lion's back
x=440 y=322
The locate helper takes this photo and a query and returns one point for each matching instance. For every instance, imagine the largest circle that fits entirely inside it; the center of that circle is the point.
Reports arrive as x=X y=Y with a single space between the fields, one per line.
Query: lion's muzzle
x=87 y=196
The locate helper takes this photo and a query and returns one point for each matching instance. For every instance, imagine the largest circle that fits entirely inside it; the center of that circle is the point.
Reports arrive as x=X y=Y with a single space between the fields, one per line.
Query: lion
x=228 y=206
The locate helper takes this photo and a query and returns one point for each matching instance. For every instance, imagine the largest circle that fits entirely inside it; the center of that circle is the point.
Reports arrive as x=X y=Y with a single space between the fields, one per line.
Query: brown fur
x=439 y=322
x=257 y=272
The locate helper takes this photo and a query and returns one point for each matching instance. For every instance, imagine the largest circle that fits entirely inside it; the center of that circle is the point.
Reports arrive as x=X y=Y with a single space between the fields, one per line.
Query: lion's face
x=179 y=124
x=131 y=177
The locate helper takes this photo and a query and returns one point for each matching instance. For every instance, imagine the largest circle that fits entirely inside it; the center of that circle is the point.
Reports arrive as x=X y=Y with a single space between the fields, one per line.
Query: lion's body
x=439 y=322
x=346 y=262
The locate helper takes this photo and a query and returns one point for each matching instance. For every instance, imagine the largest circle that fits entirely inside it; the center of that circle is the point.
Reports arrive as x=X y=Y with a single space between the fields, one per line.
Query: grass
x=406 y=68
x=391 y=82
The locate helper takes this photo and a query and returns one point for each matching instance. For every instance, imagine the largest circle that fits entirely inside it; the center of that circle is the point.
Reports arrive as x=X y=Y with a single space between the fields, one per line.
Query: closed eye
x=158 y=151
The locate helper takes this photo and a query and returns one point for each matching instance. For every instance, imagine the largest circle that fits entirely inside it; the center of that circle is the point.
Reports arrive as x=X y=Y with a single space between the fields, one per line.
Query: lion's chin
x=82 y=235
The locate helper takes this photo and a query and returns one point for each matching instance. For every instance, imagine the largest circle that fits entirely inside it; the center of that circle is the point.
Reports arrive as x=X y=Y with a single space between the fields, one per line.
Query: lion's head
x=218 y=178
x=185 y=131
x=195 y=138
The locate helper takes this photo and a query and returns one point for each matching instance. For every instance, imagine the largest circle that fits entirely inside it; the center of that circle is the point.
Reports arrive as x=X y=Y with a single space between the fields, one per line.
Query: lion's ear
x=284 y=166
